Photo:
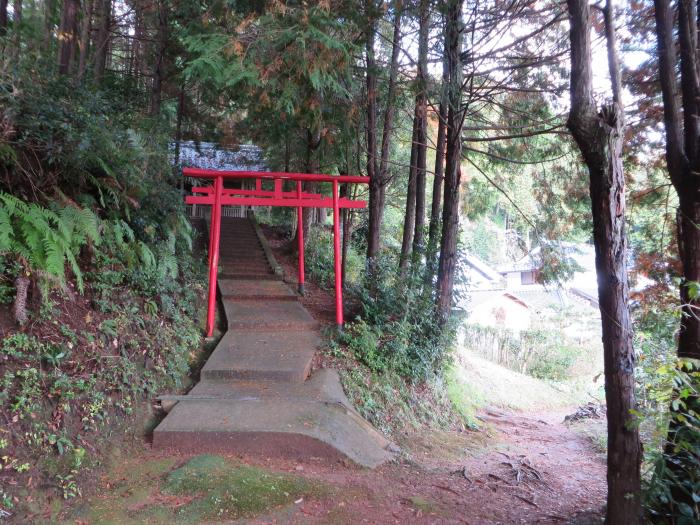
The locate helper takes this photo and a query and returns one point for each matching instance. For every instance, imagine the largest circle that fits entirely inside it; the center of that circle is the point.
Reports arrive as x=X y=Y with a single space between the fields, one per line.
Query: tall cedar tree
x=450 y=212
x=422 y=128
x=415 y=196
x=159 y=66
x=84 y=43
x=375 y=183
x=68 y=35
x=390 y=107
x=598 y=134
x=104 y=25
x=436 y=204
x=681 y=115
x=3 y=17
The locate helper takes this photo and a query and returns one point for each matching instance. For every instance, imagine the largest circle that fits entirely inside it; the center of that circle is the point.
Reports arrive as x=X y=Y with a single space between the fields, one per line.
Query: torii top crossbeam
x=217 y=196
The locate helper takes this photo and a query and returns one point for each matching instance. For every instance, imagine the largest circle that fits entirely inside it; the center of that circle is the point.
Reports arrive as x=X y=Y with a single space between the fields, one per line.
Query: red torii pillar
x=217 y=196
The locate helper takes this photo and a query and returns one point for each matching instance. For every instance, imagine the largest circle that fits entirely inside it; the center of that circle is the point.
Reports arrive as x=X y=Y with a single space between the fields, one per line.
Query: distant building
x=514 y=297
x=207 y=155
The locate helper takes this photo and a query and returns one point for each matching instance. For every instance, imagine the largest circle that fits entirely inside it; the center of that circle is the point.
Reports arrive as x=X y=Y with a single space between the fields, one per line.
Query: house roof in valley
x=540 y=298
x=482 y=268
x=587 y=294
x=536 y=297
x=479 y=297
x=582 y=254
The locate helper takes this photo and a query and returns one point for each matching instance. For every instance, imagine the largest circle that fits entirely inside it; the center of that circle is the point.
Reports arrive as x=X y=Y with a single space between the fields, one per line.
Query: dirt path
x=527 y=470
x=520 y=469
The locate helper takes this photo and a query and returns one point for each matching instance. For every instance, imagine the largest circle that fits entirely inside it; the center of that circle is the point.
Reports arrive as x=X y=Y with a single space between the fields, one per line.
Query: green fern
x=45 y=240
x=146 y=255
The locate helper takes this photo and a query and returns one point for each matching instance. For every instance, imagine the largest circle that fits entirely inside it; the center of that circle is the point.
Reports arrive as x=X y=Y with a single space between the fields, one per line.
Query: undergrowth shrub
x=319 y=258
x=397 y=329
x=87 y=197
x=544 y=354
x=393 y=404
x=668 y=390
x=670 y=401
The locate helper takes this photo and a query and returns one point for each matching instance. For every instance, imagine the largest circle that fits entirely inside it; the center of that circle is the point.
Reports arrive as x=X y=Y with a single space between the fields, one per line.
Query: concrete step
x=232 y=261
x=273 y=419
x=252 y=243
x=263 y=356
x=241 y=247
x=252 y=290
x=243 y=276
x=257 y=266
x=257 y=270
x=273 y=315
x=237 y=254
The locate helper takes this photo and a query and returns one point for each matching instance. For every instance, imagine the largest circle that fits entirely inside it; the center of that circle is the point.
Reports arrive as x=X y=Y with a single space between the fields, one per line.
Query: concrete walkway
x=255 y=394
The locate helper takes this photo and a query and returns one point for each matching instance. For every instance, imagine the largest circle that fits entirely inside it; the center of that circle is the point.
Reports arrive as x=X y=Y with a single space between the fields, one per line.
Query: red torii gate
x=217 y=196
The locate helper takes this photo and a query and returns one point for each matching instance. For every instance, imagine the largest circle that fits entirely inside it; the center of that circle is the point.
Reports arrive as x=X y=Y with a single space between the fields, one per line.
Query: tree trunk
x=450 y=213
x=49 y=6
x=16 y=23
x=67 y=35
x=436 y=205
x=102 y=39
x=387 y=130
x=178 y=135
x=84 y=45
x=20 y=306
x=681 y=114
x=410 y=210
x=421 y=135
x=688 y=224
x=313 y=141
x=683 y=152
x=159 y=66
x=599 y=135
x=3 y=17
x=375 y=183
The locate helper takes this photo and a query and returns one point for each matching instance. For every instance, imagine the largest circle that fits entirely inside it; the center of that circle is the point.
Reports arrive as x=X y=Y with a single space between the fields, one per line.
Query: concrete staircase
x=255 y=394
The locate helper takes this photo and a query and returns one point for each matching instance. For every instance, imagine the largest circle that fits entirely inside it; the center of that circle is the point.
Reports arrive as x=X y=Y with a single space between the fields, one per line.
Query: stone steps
x=273 y=418
x=275 y=315
x=270 y=355
x=252 y=290
x=255 y=395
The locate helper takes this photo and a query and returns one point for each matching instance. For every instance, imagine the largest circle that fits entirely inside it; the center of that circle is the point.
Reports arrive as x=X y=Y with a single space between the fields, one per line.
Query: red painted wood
x=214 y=254
x=300 y=239
x=218 y=196
x=336 y=258
x=304 y=177
x=289 y=203
x=262 y=193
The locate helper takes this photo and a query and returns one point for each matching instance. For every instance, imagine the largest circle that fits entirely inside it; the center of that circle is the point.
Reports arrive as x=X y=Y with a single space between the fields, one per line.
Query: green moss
x=206 y=488
x=231 y=491
x=465 y=399
x=424 y=505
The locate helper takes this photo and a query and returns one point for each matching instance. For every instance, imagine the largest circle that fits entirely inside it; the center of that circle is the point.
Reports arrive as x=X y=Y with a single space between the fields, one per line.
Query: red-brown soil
x=520 y=469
